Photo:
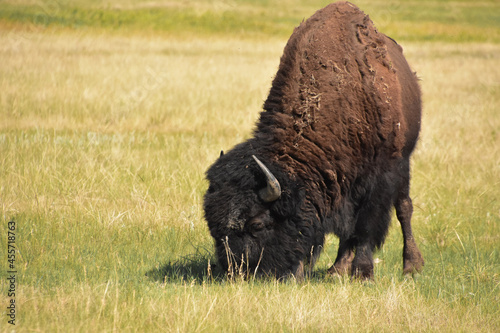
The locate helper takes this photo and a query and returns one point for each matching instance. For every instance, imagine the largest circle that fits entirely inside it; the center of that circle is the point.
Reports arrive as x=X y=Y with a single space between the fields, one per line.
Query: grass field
x=110 y=113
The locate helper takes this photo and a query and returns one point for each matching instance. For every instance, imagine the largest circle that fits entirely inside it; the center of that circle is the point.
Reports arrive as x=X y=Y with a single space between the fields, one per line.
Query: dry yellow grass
x=119 y=83
x=104 y=140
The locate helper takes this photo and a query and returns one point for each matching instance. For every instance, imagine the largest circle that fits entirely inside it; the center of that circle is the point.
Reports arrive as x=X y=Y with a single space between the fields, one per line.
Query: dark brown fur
x=336 y=99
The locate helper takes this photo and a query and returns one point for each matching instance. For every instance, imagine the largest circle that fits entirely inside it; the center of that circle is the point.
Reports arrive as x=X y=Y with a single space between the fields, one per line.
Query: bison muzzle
x=330 y=154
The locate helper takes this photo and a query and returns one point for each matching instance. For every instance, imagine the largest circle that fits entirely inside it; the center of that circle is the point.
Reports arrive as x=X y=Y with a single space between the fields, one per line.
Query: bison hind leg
x=413 y=262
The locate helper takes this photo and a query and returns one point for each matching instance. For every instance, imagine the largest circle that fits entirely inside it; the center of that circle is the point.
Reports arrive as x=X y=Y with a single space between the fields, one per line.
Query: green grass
x=452 y=21
x=105 y=135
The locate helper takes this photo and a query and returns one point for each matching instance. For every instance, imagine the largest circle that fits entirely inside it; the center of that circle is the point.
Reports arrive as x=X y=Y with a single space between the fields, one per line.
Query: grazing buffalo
x=330 y=154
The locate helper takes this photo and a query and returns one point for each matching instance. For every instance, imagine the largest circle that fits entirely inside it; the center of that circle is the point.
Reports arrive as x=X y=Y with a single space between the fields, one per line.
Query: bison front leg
x=344 y=259
x=371 y=226
x=299 y=273
x=362 y=265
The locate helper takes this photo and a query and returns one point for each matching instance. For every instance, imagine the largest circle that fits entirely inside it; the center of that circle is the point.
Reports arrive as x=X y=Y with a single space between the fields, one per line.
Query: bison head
x=251 y=218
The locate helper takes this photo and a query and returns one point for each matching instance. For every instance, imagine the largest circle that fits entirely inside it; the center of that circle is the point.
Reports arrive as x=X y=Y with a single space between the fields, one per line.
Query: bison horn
x=273 y=190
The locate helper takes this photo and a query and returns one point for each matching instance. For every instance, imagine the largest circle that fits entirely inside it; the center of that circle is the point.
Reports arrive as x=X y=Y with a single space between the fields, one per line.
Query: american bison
x=330 y=154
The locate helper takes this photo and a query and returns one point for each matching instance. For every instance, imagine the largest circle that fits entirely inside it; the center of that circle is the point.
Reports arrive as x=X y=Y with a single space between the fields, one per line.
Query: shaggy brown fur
x=336 y=87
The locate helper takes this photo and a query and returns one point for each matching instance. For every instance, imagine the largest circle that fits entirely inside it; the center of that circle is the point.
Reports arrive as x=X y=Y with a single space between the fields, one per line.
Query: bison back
x=334 y=111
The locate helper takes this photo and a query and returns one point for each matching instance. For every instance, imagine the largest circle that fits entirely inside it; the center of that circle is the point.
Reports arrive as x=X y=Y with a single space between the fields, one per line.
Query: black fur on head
x=251 y=235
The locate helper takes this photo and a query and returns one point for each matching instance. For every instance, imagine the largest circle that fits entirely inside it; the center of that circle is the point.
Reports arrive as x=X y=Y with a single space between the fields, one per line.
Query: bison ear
x=273 y=189
x=221 y=153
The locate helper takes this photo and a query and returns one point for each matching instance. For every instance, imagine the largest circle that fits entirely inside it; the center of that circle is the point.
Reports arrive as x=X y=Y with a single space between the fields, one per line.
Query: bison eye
x=258 y=223
x=255 y=227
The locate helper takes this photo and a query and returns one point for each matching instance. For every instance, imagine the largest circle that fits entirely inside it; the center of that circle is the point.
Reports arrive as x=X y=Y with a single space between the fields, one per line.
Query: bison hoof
x=412 y=266
x=342 y=265
x=413 y=262
x=338 y=269
x=363 y=275
x=362 y=269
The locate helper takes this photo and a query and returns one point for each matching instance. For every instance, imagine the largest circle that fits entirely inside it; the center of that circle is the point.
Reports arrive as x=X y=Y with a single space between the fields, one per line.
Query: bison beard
x=337 y=131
